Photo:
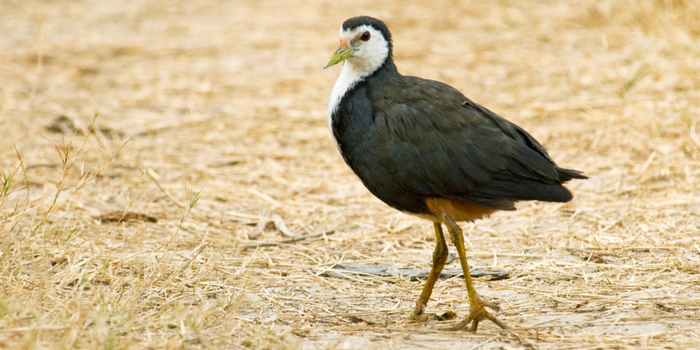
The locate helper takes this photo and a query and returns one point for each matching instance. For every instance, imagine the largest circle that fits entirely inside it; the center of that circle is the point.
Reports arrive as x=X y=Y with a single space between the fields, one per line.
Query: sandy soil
x=130 y=231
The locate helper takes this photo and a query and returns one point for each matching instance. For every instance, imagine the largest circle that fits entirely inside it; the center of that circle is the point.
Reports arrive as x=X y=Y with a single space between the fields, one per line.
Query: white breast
x=346 y=81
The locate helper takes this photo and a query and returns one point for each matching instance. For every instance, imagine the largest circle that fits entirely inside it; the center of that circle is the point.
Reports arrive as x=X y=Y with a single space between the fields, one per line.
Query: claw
x=461 y=325
x=477 y=314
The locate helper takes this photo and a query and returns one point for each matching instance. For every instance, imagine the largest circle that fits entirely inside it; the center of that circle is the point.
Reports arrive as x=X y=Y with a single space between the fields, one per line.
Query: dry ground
x=229 y=98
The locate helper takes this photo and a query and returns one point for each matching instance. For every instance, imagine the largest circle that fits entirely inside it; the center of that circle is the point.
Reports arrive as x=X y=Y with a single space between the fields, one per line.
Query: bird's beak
x=341 y=53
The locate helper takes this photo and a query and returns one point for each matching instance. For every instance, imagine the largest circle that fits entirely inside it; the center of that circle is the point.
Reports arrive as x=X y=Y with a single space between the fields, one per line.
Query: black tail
x=505 y=188
x=568 y=174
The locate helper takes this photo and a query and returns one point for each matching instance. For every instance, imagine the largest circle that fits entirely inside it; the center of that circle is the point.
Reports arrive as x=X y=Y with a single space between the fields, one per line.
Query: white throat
x=366 y=58
x=349 y=76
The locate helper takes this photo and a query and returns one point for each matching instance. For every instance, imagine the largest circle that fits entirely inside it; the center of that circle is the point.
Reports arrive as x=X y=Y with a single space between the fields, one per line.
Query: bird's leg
x=477 y=312
x=439 y=258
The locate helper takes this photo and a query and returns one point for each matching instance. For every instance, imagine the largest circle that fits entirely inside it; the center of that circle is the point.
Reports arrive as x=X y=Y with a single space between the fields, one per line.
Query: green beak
x=341 y=54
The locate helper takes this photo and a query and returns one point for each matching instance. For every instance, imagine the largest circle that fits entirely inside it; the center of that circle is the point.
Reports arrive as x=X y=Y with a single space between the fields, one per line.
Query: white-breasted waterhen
x=425 y=149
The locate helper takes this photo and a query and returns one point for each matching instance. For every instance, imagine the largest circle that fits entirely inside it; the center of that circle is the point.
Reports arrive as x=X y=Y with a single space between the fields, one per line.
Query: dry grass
x=228 y=98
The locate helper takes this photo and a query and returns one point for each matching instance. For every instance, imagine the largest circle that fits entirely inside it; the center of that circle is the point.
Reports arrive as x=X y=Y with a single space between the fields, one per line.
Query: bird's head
x=365 y=43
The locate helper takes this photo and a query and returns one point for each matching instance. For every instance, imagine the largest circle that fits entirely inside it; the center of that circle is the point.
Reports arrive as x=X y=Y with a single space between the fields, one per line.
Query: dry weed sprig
x=131 y=198
x=64 y=156
x=68 y=160
x=192 y=199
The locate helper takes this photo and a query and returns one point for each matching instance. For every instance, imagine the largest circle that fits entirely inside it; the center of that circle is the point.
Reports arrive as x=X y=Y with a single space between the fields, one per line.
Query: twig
x=588 y=251
x=693 y=136
x=485 y=342
x=361 y=313
x=611 y=326
x=289 y=240
x=549 y=320
x=155 y=177
x=279 y=224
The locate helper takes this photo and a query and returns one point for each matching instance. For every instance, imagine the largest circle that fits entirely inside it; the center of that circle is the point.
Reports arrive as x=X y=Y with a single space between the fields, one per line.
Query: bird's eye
x=365 y=36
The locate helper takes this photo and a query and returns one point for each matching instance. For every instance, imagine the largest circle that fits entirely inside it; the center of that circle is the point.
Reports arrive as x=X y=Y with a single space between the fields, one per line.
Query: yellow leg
x=477 y=312
x=439 y=258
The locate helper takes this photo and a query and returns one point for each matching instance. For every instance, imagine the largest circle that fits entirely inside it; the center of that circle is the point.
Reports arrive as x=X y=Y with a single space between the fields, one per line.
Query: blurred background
x=145 y=144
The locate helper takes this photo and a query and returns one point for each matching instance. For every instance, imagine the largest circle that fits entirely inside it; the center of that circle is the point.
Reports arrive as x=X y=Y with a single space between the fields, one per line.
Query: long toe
x=461 y=325
x=478 y=313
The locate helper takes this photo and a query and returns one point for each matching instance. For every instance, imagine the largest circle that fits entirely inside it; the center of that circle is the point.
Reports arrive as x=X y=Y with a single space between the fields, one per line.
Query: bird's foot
x=477 y=312
x=419 y=314
x=420 y=317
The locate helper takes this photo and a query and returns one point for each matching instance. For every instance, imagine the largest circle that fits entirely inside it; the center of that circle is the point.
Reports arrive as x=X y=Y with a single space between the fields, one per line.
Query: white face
x=367 y=56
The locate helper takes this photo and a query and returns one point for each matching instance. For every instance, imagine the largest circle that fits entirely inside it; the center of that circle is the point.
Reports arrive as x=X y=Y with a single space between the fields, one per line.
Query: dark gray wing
x=448 y=146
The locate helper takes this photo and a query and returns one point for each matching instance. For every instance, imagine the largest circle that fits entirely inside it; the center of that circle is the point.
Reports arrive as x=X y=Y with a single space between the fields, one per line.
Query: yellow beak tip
x=340 y=55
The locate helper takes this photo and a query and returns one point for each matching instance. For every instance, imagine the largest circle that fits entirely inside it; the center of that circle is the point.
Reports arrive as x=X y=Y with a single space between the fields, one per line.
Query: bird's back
x=409 y=139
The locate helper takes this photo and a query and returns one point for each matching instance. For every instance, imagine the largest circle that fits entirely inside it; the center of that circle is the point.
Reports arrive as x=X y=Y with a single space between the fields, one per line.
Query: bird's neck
x=351 y=75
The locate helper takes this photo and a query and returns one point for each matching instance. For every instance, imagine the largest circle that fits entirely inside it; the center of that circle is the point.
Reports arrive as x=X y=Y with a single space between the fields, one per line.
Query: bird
x=425 y=149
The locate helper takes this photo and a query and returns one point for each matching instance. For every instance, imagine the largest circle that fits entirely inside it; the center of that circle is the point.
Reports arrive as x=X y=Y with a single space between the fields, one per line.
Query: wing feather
x=447 y=148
